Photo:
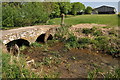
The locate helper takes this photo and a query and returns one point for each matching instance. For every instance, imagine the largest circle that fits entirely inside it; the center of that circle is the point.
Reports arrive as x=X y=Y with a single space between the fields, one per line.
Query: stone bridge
x=27 y=35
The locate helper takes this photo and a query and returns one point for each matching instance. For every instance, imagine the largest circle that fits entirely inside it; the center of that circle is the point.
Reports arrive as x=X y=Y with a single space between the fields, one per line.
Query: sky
x=98 y=3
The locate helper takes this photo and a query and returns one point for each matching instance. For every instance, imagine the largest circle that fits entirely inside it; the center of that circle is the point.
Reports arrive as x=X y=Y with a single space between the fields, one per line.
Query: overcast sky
x=98 y=3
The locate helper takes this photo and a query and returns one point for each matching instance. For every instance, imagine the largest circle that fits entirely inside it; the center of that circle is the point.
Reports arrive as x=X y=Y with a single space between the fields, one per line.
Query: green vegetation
x=88 y=31
x=109 y=75
x=109 y=44
x=119 y=19
x=27 y=14
x=88 y=10
x=35 y=44
x=98 y=33
x=100 y=42
x=98 y=19
x=77 y=8
x=15 y=69
x=17 y=14
x=63 y=33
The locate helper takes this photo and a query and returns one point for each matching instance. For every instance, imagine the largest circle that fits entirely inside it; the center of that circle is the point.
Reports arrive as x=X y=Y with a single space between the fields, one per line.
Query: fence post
x=62 y=19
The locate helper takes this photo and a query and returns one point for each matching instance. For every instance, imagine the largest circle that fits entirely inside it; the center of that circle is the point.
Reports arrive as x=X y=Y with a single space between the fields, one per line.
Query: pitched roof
x=105 y=9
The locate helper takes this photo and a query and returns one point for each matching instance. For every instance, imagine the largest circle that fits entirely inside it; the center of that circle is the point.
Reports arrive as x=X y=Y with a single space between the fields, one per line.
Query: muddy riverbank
x=58 y=61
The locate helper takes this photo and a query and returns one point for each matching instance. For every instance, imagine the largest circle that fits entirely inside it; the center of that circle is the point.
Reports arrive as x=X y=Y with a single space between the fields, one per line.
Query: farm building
x=104 y=10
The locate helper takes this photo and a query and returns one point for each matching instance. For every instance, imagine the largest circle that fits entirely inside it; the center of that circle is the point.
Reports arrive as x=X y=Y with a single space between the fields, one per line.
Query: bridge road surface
x=17 y=30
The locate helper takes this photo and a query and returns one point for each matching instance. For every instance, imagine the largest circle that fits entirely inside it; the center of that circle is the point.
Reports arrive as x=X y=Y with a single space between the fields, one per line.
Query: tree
x=65 y=7
x=77 y=7
x=25 y=14
x=56 y=11
x=88 y=10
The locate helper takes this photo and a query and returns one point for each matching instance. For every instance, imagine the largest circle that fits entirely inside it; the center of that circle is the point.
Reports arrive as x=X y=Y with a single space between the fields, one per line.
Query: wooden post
x=62 y=19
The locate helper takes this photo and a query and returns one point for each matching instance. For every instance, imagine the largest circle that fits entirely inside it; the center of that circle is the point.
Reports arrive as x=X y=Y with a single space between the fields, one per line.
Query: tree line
x=16 y=14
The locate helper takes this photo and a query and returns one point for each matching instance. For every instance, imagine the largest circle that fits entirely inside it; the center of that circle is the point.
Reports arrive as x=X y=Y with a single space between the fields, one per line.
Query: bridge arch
x=41 y=38
x=19 y=42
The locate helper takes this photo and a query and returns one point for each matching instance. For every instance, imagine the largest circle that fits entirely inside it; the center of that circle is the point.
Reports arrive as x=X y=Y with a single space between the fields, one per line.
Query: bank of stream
x=56 y=60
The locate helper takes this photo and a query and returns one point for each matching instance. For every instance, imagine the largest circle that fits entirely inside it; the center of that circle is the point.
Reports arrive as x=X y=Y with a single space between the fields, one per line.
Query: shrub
x=88 y=10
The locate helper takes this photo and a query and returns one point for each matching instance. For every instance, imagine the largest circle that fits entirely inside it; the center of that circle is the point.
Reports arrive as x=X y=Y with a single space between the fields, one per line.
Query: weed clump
x=109 y=75
x=99 y=42
x=36 y=44
x=98 y=33
x=16 y=69
x=63 y=33
x=87 y=31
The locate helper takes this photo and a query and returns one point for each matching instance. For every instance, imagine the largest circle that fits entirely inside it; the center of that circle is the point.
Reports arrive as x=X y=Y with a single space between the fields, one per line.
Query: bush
x=88 y=10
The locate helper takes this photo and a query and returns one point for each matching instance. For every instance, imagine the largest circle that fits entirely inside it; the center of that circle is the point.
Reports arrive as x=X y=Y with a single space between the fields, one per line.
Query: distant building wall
x=104 y=10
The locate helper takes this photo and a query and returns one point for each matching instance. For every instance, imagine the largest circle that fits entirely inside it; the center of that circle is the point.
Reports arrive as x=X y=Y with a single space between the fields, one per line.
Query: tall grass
x=15 y=69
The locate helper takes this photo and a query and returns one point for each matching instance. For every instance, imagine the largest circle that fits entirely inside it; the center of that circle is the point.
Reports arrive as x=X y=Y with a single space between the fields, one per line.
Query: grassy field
x=111 y=20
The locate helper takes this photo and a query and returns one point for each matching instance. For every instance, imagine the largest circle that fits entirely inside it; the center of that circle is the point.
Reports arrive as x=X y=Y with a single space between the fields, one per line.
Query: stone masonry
x=30 y=33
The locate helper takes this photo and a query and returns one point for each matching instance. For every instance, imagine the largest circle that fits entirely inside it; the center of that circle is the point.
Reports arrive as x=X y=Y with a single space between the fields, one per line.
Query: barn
x=104 y=10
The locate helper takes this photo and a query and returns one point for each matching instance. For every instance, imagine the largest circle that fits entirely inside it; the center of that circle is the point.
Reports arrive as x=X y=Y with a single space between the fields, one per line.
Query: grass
x=110 y=20
x=98 y=19
x=16 y=69
x=107 y=43
x=19 y=70
x=35 y=44
x=109 y=75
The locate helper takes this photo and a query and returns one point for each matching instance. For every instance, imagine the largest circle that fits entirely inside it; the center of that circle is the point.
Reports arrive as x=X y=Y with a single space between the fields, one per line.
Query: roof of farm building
x=105 y=8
